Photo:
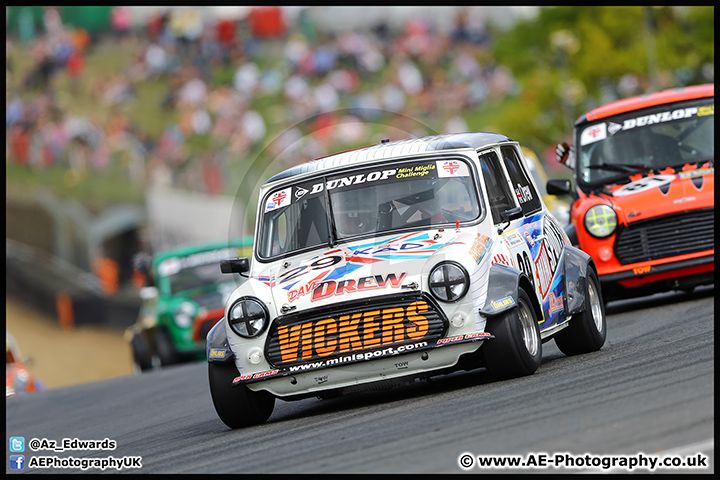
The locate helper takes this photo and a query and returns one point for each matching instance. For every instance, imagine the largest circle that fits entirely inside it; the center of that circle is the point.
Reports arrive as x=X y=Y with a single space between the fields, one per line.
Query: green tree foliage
x=571 y=59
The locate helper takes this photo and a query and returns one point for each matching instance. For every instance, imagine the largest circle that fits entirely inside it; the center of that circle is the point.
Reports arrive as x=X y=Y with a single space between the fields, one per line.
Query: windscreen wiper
x=697 y=161
x=620 y=167
x=332 y=232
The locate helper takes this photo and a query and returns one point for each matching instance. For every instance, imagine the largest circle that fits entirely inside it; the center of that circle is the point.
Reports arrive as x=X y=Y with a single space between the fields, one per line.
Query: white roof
x=434 y=143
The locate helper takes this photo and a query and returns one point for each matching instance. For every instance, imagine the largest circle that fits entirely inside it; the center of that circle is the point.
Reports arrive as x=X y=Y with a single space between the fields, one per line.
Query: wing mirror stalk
x=509 y=215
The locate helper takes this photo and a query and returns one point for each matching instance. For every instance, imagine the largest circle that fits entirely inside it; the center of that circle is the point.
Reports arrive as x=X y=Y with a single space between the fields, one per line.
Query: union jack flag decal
x=452 y=168
x=278 y=199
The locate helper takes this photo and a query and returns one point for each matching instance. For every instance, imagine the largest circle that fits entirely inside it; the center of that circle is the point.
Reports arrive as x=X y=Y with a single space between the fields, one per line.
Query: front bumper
x=648 y=280
x=383 y=370
x=650 y=273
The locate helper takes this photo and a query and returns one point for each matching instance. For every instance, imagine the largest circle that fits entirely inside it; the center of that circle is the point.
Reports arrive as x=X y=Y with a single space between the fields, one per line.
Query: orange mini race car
x=643 y=207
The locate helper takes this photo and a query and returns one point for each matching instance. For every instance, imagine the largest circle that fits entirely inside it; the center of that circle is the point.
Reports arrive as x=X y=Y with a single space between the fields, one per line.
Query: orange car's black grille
x=666 y=236
x=375 y=324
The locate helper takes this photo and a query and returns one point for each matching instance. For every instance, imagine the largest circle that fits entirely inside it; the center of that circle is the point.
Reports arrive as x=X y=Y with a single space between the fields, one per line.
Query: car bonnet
x=365 y=268
x=670 y=191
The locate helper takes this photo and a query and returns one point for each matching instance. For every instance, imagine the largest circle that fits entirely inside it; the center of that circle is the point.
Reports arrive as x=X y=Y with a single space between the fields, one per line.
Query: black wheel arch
x=217 y=345
x=503 y=283
x=575 y=265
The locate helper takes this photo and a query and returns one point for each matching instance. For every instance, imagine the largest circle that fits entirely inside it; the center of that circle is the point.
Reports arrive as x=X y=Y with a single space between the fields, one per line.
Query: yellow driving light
x=601 y=221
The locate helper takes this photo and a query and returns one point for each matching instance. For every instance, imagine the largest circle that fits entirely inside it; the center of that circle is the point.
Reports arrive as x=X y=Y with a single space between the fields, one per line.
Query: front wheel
x=587 y=330
x=164 y=349
x=516 y=350
x=237 y=406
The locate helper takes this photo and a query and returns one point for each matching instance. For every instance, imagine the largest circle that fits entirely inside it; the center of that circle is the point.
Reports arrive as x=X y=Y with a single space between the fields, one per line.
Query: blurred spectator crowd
x=293 y=93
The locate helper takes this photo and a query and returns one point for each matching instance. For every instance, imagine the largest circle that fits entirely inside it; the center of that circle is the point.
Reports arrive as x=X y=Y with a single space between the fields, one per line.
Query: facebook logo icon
x=17 y=462
x=17 y=444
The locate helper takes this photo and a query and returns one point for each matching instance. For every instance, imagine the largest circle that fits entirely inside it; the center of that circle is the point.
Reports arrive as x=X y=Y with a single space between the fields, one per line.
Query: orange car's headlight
x=600 y=221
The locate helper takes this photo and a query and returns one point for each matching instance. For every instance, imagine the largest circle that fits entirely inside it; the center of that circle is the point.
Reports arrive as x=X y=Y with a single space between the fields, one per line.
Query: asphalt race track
x=650 y=391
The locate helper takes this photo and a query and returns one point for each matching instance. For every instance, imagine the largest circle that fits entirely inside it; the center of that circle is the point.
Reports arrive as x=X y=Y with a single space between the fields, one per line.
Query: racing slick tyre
x=140 y=352
x=516 y=350
x=237 y=406
x=164 y=348
x=587 y=330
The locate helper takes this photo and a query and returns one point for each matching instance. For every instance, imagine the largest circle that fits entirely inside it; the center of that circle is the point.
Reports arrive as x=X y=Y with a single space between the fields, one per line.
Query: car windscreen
x=650 y=139
x=197 y=270
x=367 y=201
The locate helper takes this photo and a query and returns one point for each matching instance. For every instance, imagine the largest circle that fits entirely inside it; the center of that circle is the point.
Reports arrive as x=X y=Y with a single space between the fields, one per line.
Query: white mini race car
x=403 y=260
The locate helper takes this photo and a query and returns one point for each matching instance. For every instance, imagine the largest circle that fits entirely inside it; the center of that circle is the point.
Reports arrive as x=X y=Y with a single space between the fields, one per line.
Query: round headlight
x=184 y=315
x=448 y=281
x=248 y=317
x=600 y=221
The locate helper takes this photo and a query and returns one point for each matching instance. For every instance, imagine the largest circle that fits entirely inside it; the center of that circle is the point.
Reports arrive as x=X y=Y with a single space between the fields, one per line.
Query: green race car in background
x=186 y=298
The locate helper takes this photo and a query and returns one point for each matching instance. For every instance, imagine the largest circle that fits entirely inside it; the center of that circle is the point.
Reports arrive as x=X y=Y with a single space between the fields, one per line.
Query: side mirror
x=508 y=215
x=148 y=293
x=235 y=265
x=512 y=214
x=559 y=187
x=565 y=154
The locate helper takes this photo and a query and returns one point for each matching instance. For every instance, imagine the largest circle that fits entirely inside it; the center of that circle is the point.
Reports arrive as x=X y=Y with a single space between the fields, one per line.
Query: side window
x=499 y=194
x=279 y=238
x=524 y=191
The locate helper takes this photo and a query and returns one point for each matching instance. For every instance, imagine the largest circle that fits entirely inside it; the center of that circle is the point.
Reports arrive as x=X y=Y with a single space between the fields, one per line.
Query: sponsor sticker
x=555 y=303
x=206 y=258
x=415 y=171
x=708 y=110
x=216 y=353
x=613 y=128
x=255 y=376
x=523 y=193
x=544 y=270
x=451 y=168
x=529 y=239
x=696 y=173
x=278 y=200
x=352 y=333
x=300 y=192
x=502 y=259
x=642 y=270
x=480 y=247
x=643 y=184
x=468 y=336
x=173 y=265
x=513 y=239
x=168 y=267
x=370 y=282
x=660 y=117
x=354 y=179
x=502 y=303
x=593 y=133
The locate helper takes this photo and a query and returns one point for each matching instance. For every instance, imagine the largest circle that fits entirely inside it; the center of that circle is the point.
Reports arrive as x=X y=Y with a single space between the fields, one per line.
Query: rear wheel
x=516 y=350
x=237 y=406
x=587 y=330
x=141 y=352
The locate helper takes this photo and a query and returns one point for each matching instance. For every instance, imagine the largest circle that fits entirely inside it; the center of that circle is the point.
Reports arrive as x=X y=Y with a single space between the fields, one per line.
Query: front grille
x=351 y=328
x=666 y=236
